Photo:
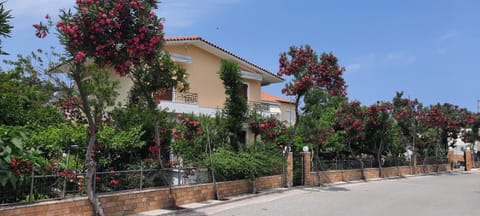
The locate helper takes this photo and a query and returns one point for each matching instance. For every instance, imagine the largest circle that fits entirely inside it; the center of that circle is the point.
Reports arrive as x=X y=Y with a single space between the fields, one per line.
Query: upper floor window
x=244 y=92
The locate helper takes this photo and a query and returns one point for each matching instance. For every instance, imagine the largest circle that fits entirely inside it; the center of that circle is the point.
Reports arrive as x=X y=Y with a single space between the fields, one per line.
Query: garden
x=63 y=135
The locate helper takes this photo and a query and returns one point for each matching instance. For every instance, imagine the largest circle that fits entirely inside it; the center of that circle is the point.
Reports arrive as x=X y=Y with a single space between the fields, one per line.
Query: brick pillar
x=468 y=159
x=290 y=168
x=451 y=158
x=306 y=168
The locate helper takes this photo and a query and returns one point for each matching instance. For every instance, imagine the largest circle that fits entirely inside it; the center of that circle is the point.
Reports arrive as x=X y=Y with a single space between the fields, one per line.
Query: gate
x=298 y=174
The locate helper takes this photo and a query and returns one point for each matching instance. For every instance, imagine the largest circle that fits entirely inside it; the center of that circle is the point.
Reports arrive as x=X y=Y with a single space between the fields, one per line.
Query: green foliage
x=56 y=139
x=101 y=88
x=235 y=105
x=138 y=115
x=16 y=160
x=229 y=165
x=190 y=143
x=163 y=74
x=316 y=129
x=121 y=140
x=24 y=96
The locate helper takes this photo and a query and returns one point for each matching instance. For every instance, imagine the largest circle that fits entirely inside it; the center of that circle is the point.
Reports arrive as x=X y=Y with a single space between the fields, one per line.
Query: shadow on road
x=333 y=188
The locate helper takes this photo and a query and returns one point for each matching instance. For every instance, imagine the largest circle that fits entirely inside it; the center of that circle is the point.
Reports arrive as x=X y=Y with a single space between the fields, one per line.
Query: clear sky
x=427 y=48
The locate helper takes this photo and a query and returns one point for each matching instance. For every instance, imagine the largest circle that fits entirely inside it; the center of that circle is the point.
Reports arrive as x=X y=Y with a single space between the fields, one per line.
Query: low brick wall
x=131 y=202
x=332 y=176
x=314 y=178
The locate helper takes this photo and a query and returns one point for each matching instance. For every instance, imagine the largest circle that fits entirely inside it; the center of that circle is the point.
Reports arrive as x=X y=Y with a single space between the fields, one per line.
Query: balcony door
x=244 y=92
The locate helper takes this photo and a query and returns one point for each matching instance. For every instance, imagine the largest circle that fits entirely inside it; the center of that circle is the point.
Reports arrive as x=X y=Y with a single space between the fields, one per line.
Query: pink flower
x=114 y=182
x=80 y=57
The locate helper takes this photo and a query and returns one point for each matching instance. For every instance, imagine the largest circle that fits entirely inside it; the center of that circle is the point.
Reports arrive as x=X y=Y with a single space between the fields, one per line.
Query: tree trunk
x=92 y=133
x=379 y=159
x=217 y=194
x=362 y=165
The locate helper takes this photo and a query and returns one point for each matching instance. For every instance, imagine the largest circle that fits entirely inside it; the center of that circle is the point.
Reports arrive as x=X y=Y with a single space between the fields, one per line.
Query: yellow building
x=202 y=59
x=280 y=108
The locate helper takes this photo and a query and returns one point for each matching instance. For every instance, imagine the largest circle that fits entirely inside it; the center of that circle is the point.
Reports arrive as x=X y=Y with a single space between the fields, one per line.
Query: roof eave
x=267 y=77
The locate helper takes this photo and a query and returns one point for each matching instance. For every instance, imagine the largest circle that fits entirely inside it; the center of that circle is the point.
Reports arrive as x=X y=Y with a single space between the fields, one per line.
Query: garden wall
x=137 y=201
x=316 y=178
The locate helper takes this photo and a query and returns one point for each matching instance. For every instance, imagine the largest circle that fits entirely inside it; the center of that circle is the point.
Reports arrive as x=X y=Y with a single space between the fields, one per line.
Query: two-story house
x=202 y=59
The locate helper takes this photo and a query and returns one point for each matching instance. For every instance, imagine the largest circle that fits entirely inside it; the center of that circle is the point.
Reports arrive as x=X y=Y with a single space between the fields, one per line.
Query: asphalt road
x=452 y=194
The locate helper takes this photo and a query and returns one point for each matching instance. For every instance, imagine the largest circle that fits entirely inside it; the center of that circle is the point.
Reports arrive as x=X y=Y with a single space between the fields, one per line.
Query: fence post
x=141 y=175
x=468 y=159
x=306 y=167
x=30 y=198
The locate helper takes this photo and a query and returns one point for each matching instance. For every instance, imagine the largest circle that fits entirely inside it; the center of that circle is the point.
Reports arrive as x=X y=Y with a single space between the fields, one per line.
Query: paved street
x=444 y=194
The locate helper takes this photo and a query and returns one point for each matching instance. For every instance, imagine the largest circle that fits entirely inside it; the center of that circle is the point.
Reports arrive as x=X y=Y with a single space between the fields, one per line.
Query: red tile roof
x=193 y=38
x=272 y=98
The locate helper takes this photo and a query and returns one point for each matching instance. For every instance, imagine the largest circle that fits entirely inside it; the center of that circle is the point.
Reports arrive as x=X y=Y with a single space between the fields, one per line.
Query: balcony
x=188 y=98
x=183 y=102
x=259 y=106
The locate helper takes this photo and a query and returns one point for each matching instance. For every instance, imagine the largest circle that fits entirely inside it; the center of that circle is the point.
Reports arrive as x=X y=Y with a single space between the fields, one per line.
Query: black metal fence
x=336 y=164
x=65 y=184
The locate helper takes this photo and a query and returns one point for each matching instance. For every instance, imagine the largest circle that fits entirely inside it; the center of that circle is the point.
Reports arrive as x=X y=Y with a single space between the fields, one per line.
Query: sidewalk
x=209 y=203
x=191 y=207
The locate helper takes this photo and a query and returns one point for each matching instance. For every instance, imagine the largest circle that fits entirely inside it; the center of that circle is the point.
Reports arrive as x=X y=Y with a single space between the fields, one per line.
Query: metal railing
x=64 y=184
x=259 y=106
x=335 y=164
x=188 y=98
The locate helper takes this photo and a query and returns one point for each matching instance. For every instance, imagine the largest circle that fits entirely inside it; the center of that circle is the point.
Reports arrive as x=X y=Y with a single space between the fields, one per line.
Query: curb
x=187 y=209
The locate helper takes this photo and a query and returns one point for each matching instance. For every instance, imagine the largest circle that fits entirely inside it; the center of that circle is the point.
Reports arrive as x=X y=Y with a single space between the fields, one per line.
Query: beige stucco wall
x=284 y=107
x=254 y=89
x=124 y=87
x=202 y=75
x=204 y=79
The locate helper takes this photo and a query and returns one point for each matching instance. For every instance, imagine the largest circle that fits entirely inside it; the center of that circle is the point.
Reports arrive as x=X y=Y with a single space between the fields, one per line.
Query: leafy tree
x=307 y=71
x=447 y=120
x=351 y=119
x=317 y=126
x=122 y=34
x=235 y=105
x=5 y=27
x=161 y=75
x=26 y=91
x=406 y=113
x=188 y=140
x=379 y=130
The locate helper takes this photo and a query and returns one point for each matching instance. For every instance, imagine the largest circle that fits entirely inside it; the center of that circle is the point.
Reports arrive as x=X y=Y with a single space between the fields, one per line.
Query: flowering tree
x=447 y=120
x=123 y=34
x=378 y=129
x=318 y=120
x=350 y=118
x=160 y=75
x=307 y=71
x=188 y=139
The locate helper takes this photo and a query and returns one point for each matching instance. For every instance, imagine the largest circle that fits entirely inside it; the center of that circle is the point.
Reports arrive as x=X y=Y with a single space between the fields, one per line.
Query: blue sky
x=429 y=49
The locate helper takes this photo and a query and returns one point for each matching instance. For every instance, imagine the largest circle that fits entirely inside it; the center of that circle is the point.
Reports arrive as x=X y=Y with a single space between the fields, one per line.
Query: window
x=244 y=92
x=289 y=116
